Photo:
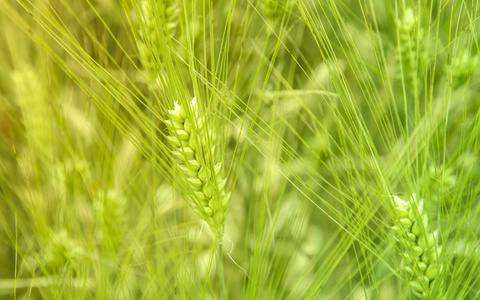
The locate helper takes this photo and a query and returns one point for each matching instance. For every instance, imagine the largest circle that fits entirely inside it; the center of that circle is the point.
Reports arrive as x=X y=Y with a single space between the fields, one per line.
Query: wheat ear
x=409 y=34
x=194 y=153
x=421 y=253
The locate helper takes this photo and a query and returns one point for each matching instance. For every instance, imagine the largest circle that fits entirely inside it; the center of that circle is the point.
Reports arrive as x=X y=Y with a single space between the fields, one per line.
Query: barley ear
x=462 y=67
x=409 y=35
x=194 y=153
x=421 y=253
x=274 y=10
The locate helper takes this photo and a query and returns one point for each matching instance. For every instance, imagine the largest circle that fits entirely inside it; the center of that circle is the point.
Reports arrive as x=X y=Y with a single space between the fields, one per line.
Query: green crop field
x=242 y=149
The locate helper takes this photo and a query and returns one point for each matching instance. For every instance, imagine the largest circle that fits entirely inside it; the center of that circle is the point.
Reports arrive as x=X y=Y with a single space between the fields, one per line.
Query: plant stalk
x=222 y=295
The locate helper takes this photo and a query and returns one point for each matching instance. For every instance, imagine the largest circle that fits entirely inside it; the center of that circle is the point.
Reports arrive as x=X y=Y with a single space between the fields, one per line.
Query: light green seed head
x=421 y=252
x=194 y=153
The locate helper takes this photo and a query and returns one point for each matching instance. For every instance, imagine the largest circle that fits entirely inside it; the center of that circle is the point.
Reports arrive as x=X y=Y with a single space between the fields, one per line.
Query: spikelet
x=172 y=17
x=273 y=10
x=463 y=66
x=421 y=256
x=150 y=38
x=110 y=207
x=153 y=12
x=194 y=153
x=440 y=182
x=59 y=250
x=409 y=35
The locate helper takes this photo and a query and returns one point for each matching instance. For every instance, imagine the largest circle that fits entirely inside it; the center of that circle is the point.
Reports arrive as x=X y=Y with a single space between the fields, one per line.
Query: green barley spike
x=194 y=153
x=149 y=38
x=152 y=14
x=421 y=253
x=409 y=35
x=463 y=66
x=273 y=10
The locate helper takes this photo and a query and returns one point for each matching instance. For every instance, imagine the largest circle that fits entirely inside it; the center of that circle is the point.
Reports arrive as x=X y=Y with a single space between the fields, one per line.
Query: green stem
x=222 y=295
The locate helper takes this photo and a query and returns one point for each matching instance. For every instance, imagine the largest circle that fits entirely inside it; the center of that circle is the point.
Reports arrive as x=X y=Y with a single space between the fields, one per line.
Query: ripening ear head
x=194 y=156
x=421 y=253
